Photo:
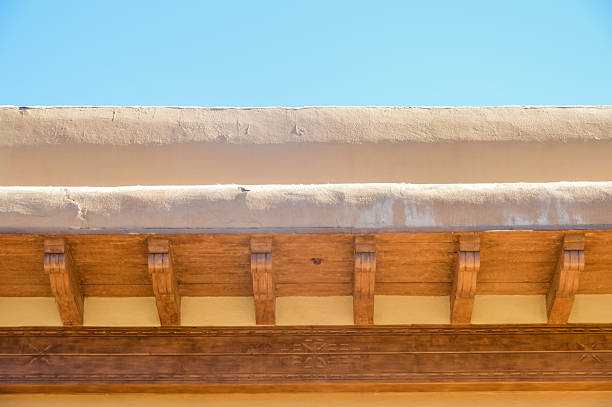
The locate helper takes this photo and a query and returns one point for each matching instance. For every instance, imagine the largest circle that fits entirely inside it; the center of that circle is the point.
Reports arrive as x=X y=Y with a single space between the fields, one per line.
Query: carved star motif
x=40 y=354
x=588 y=352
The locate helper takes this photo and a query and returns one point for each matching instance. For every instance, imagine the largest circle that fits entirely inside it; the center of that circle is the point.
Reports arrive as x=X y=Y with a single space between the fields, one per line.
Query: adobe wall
x=107 y=146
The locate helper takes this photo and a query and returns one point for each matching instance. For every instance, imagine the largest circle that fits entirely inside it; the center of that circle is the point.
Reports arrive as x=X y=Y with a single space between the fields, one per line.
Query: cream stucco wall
x=120 y=311
x=397 y=309
x=29 y=311
x=435 y=399
x=239 y=311
x=217 y=311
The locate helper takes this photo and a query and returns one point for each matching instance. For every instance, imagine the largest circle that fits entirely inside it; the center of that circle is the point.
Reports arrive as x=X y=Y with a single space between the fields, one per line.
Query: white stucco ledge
x=306 y=208
x=118 y=126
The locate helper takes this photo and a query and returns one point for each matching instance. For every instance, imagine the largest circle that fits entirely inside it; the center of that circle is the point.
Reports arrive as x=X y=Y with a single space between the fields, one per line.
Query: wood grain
x=364 y=280
x=165 y=288
x=264 y=290
x=63 y=281
x=275 y=356
x=464 y=283
x=512 y=263
x=560 y=298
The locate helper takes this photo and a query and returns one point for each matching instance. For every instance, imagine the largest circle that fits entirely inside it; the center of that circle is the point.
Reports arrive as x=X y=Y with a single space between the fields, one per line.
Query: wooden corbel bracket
x=564 y=285
x=264 y=290
x=165 y=286
x=364 y=280
x=64 y=283
x=465 y=277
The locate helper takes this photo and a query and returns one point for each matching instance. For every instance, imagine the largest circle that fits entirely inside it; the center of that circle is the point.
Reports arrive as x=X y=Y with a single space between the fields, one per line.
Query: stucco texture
x=167 y=125
x=305 y=207
x=111 y=146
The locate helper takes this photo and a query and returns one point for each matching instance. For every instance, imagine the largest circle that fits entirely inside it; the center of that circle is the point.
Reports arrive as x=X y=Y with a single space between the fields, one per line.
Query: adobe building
x=246 y=254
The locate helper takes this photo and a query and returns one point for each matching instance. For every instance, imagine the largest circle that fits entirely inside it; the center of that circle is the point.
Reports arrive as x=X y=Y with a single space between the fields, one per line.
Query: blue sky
x=290 y=53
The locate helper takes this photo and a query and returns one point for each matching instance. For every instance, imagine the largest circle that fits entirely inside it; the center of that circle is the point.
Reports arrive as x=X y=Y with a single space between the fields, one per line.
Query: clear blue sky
x=296 y=53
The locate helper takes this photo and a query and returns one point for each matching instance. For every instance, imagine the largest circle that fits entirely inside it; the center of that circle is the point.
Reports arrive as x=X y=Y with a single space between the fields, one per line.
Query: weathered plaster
x=111 y=146
x=273 y=125
x=295 y=207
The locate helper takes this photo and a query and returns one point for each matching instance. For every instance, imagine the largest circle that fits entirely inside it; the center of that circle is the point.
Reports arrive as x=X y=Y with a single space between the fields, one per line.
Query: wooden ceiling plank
x=212 y=259
x=216 y=290
x=364 y=280
x=420 y=289
x=314 y=289
x=464 y=283
x=64 y=283
x=564 y=286
x=513 y=288
x=110 y=259
x=309 y=264
x=165 y=287
x=264 y=290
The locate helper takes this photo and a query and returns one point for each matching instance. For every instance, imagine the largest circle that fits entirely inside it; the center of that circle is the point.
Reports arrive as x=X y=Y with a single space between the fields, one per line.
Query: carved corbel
x=64 y=283
x=263 y=280
x=165 y=286
x=564 y=285
x=364 y=280
x=464 y=281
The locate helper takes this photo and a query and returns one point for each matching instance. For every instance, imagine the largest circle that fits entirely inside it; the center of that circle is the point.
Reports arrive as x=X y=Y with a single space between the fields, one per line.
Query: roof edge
x=112 y=125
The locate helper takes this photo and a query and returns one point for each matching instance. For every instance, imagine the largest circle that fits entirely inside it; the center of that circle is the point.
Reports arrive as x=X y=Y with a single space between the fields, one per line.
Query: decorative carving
x=367 y=356
x=431 y=335
x=165 y=286
x=64 y=283
x=464 y=281
x=40 y=355
x=364 y=280
x=589 y=353
x=319 y=345
x=565 y=280
x=316 y=361
x=263 y=281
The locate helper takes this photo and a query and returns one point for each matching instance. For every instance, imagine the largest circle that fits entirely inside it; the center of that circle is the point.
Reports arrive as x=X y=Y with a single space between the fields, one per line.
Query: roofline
x=108 y=125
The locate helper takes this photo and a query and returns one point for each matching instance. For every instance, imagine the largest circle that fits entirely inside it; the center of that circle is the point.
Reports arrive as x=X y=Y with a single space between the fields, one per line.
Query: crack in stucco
x=81 y=212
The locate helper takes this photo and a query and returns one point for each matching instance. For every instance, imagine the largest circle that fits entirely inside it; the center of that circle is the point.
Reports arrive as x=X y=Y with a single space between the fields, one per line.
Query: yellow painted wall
x=466 y=399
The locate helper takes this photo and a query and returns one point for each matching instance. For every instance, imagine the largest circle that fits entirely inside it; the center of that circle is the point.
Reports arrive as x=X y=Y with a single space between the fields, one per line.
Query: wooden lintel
x=564 y=285
x=364 y=280
x=264 y=289
x=64 y=283
x=165 y=286
x=369 y=356
x=465 y=277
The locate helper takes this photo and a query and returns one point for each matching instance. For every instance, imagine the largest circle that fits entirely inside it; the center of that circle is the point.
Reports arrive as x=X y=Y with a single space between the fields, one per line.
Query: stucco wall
x=294 y=208
x=470 y=399
x=106 y=146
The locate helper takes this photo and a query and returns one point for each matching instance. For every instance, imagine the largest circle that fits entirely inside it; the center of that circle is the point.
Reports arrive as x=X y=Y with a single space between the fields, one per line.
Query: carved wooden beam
x=464 y=281
x=364 y=280
x=264 y=289
x=64 y=283
x=489 y=357
x=565 y=280
x=165 y=286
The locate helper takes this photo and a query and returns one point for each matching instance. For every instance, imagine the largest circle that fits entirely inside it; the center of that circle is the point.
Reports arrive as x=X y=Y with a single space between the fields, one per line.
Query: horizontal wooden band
x=305 y=355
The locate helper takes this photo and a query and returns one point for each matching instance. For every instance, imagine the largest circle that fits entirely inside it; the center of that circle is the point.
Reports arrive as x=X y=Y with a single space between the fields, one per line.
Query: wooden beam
x=564 y=285
x=307 y=264
x=64 y=283
x=264 y=289
x=364 y=280
x=367 y=356
x=464 y=281
x=165 y=286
